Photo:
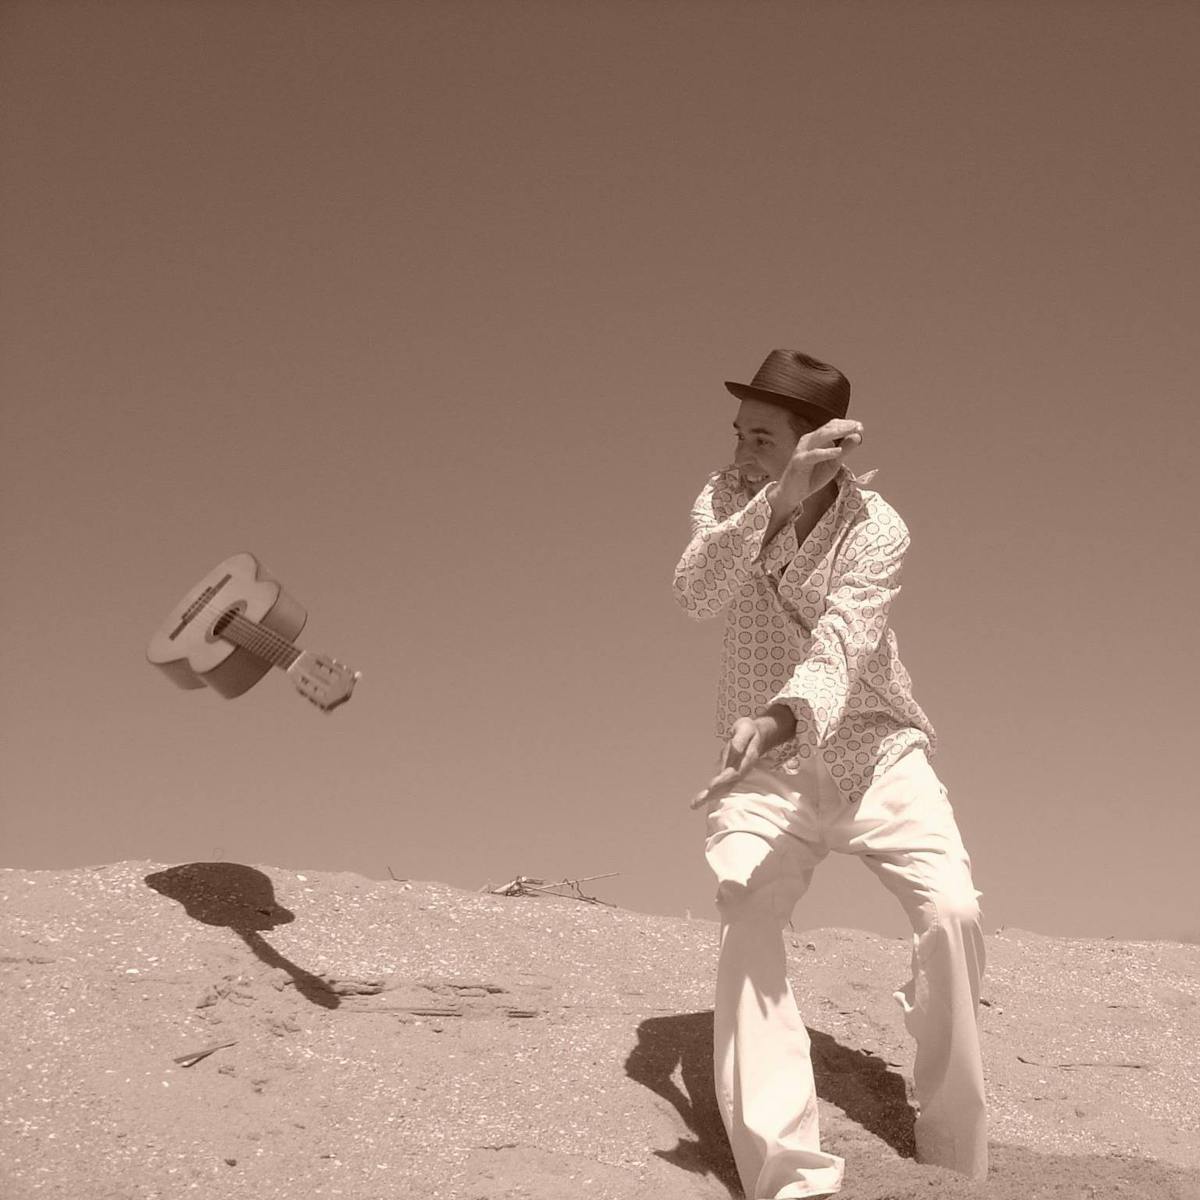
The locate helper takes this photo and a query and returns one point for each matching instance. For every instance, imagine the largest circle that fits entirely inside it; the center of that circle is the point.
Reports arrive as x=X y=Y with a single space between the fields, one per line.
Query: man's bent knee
x=758 y=898
x=733 y=894
x=737 y=857
x=959 y=907
x=772 y=902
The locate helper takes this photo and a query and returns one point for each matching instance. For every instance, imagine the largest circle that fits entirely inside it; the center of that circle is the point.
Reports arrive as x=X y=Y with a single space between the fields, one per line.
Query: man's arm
x=783 y=513
x=718 y=560
x=848 y=633
x=851 y=629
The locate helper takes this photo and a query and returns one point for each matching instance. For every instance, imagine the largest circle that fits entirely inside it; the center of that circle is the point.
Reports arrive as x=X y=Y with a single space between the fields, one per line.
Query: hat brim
x=813 y=412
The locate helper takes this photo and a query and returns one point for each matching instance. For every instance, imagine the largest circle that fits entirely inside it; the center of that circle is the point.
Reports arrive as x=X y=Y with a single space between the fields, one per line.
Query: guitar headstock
x=323 y=680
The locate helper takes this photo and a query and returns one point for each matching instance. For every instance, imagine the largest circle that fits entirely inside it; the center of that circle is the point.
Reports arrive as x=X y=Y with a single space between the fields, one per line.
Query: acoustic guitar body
x=188 y=648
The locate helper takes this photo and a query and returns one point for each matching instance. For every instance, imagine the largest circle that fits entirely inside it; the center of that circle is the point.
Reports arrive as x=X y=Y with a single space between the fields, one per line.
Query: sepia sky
x=429 y=305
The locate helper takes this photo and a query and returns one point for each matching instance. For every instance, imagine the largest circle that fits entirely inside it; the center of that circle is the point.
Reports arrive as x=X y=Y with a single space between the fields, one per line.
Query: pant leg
x=763 y=856
x=904 y=830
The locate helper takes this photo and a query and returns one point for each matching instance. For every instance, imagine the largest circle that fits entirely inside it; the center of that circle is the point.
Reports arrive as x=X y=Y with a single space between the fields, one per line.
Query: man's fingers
x=841 y=427
x=812 y=456
x=736 y=748
x=739 y=754
x=832 y=431
x=737 y=745
x=724 y=779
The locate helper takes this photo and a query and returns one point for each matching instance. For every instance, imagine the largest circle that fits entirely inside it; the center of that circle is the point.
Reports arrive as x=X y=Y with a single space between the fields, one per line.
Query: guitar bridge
x=197 y=606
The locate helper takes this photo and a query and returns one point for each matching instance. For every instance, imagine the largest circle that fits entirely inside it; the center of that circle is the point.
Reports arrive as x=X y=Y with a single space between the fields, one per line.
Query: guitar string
x=211 y=606
x=272 y=647
x=265 y=639
x=264 y=643
x=262 y=636
x=259 y=640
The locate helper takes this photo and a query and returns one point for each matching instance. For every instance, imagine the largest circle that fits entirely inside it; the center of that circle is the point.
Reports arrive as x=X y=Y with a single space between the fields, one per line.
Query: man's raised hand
x=815 y=462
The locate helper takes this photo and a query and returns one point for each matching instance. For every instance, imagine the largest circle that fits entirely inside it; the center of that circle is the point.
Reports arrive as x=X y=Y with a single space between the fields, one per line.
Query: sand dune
x=221 y=1030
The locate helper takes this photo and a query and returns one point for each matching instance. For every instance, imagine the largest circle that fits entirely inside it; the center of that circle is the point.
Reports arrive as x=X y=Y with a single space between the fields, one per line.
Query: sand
x=371 y=1039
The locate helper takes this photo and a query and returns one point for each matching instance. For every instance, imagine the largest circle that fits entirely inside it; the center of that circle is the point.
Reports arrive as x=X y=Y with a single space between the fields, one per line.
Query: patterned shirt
x=807 y=625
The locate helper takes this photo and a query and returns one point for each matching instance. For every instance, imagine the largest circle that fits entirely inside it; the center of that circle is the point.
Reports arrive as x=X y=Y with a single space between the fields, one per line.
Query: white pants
x=764 y=840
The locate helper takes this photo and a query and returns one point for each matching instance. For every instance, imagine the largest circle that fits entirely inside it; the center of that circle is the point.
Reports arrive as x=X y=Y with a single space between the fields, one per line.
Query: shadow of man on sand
x=685 y=1042
x=242 y=899
x=871 y=1095
x=858 y=1082
x=864 y=1087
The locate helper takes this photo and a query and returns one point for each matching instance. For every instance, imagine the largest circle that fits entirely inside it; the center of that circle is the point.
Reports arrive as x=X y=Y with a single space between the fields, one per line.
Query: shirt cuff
x=805 y=730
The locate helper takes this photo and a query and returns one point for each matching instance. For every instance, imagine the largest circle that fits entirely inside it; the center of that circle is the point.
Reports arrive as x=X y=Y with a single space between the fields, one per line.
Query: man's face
x=766 y=439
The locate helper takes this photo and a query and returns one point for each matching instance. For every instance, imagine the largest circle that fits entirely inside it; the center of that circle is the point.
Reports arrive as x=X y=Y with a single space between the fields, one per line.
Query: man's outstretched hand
x=749 y=739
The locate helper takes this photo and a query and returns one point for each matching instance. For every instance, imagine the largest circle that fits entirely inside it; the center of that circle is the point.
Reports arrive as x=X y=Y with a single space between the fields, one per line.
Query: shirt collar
x=850 y=486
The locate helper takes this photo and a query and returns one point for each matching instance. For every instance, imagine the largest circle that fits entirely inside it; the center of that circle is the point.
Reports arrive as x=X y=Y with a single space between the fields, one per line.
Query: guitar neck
x=260 y=641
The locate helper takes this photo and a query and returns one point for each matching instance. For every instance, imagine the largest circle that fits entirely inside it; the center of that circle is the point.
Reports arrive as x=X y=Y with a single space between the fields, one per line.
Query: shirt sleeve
x=723 y=555
x=851 y=629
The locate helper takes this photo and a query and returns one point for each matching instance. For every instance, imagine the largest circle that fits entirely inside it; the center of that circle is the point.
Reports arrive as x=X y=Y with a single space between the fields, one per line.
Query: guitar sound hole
x=223 y=627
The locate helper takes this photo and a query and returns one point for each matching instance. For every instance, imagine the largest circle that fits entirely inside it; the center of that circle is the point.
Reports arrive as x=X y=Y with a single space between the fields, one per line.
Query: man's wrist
x=776 y=725
x=781 y=504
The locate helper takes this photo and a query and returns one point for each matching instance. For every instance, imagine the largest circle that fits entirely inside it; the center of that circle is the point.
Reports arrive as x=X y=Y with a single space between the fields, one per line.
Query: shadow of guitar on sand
x=242 y=899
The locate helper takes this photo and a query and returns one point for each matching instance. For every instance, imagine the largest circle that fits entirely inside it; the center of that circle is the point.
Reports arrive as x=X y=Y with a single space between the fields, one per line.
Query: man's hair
x=799 y=425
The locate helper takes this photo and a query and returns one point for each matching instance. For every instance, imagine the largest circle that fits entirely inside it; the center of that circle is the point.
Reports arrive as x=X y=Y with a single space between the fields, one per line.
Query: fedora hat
x=799 y=383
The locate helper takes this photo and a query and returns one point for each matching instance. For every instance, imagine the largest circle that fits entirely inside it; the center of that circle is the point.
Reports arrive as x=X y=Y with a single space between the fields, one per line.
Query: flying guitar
x=233 y=627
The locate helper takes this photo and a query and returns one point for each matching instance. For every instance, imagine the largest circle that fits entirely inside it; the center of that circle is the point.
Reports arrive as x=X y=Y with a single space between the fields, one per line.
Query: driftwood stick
x=190 y=1059
x=1135 y=1066
x=526 y=885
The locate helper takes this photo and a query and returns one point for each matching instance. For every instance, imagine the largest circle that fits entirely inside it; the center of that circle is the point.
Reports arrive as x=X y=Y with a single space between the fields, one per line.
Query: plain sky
x=429 y=306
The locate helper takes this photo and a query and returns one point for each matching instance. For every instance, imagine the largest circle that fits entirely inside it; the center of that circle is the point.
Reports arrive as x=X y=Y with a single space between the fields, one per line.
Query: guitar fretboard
x=262 y=642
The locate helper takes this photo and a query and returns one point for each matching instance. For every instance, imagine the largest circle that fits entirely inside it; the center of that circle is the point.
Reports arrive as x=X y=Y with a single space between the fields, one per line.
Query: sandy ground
x=398 y=1039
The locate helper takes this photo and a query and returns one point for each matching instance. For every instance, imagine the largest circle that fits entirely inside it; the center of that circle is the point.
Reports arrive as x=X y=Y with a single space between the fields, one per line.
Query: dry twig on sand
x=525 y=885
x=1065 y=1066
x=190 y=1059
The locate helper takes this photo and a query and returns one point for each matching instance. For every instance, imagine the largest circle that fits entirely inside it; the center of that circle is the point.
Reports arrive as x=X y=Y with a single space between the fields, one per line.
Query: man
x=825 y=749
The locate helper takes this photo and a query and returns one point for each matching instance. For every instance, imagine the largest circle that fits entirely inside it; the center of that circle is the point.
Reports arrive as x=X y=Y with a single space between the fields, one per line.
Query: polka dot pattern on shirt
x=807 y=625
